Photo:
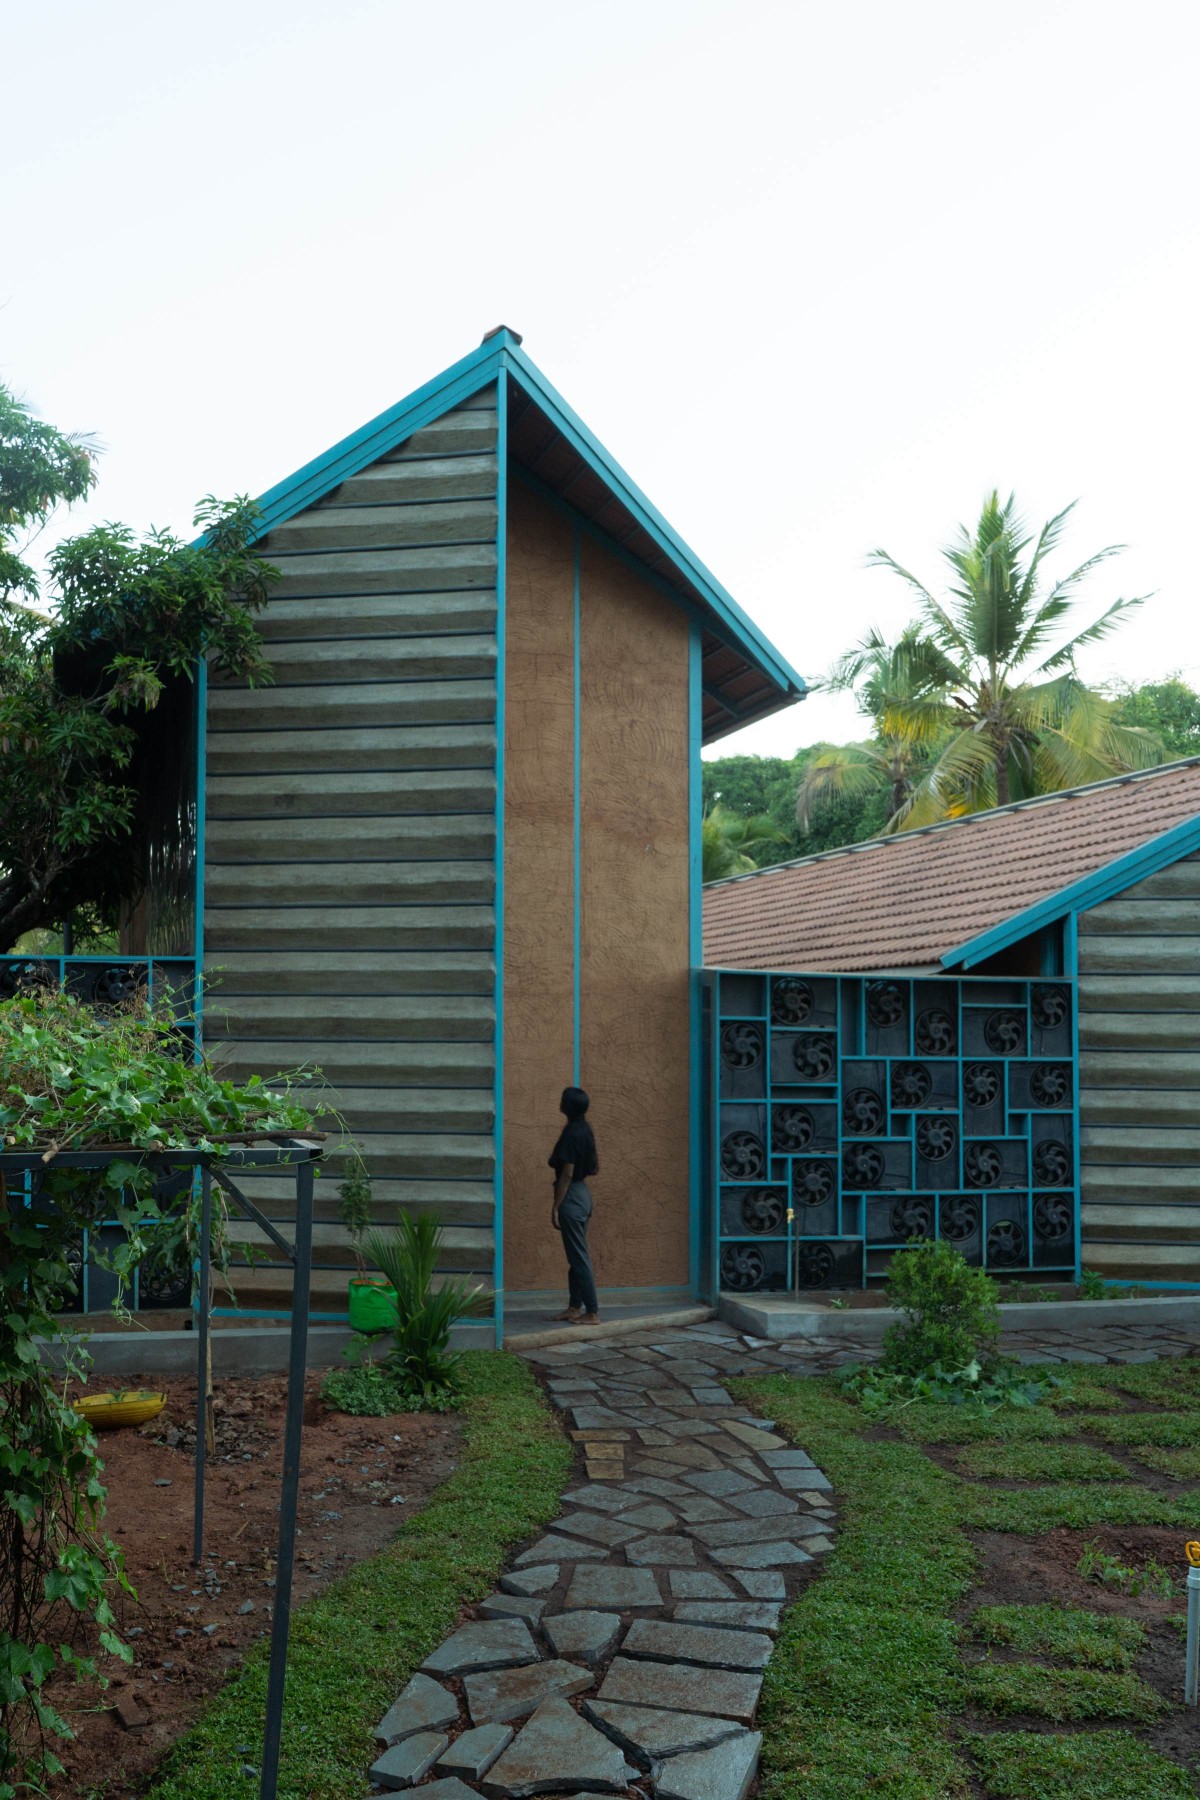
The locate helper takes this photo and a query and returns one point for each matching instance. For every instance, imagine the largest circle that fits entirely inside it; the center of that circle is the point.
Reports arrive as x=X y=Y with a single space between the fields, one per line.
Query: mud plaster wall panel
x=634 y=891
x=539 y=927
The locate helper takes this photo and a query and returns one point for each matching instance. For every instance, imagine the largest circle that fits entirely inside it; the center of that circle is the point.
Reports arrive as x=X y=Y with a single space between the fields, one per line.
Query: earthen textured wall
x=634 y=1018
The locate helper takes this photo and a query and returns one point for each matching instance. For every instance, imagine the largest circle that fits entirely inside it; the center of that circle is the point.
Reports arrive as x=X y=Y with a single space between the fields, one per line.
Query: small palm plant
x=423 y=1365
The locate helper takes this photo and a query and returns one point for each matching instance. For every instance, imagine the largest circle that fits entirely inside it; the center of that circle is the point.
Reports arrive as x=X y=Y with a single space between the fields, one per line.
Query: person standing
x=575 y=1163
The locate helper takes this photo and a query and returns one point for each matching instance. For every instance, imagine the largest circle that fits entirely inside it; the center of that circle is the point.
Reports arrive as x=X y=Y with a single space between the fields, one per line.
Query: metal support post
x=297 y=1362
x=1193 y=1632
x=202 y=1359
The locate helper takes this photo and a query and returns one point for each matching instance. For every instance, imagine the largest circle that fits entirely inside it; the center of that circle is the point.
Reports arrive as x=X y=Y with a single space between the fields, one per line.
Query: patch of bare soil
x=1022 y=1571
x=190 y=1627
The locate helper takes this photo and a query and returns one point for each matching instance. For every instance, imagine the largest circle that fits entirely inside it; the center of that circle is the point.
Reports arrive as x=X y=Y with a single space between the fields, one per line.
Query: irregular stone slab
x=652 y=1484
x=724 y=1772
x=691 y=1584
x=795 y=1479
x=584 y=1636
x=490 y=1644
x=817 y=1546
x=406 y=1762
x=600 y=1499
x=514 y=1606
x=787 y=1459
x=706 y=1644
x=597 y=1418
x=652 y=1732
x=661 y=1552
x=719 y=1482
x=613 y=1589
x=531 y=1581
x=511 y=1693
x=424 y=1705
x=757 y=1436
x=762 y=1584
x=760 y=1556
x=557 y=1749
x=678 y=1687
x=659 y=1468
x=651 y=1517
x=686 y=1428
x=597 y=1528
x=754 y=1531
x=764 y=1503
x=712 y=1396
x=693 y=1456
x=475 y=1751
x=735 y=1615
x=561 y=1549
x=699 y=1509
x=451 y=1788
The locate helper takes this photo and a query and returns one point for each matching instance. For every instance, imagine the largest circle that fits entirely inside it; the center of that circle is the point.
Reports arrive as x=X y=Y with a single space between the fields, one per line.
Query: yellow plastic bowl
x=105 y=1412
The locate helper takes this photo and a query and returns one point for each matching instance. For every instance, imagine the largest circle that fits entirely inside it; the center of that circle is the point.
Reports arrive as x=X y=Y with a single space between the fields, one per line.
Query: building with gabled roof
x=988 y=933
x=452 y=855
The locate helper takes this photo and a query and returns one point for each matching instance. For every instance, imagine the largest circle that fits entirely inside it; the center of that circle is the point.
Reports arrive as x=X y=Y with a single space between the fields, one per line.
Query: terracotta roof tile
x=906 y=901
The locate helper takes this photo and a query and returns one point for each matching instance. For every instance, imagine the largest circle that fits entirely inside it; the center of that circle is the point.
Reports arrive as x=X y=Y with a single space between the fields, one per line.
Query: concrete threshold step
x=775 y=1318
x=608 y=1328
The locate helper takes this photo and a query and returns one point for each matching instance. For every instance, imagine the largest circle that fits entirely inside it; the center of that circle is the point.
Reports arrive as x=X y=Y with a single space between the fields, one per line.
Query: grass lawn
x=355 y=1646
x=949 y=1646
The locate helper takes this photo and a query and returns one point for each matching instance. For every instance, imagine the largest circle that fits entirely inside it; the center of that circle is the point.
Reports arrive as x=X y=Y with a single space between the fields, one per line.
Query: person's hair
x=574 y=1103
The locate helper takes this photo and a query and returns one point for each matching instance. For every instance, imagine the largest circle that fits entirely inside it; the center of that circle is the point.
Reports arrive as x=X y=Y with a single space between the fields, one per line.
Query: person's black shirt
x=577 y=1146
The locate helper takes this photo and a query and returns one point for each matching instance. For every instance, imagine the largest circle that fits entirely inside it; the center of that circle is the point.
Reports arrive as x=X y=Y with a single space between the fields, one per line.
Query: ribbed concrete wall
x=1139 y=998
x=349 y=916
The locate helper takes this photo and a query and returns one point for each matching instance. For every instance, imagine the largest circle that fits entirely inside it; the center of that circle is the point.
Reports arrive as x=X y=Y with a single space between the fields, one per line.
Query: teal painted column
x=696 y=1197
x=498 y=952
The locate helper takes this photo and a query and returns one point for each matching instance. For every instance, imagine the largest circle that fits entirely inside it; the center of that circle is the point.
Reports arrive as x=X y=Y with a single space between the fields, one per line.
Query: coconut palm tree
x=881 y=674
x=733 y=844
x=1008 y=716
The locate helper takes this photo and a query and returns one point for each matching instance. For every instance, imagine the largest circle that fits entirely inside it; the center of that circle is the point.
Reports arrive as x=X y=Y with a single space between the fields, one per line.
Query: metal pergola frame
x=213 y=1166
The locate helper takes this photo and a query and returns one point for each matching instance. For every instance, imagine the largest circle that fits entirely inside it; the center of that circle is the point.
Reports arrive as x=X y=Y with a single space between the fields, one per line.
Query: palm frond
x=1092 y=634
x=844 y=771
x=962 y=780
x=1048 y=538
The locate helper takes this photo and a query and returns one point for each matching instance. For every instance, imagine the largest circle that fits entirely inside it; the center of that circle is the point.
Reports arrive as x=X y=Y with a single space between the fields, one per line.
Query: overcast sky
x=817 y=275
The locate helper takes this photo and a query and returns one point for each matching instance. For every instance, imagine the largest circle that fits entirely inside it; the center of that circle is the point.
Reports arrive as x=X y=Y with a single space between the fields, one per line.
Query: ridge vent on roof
x=1125 y=779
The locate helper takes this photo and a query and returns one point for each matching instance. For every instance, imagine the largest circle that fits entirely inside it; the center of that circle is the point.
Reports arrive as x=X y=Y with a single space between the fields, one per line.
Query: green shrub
x=951 y=1316
x=420 y=1361
x=367 y=1389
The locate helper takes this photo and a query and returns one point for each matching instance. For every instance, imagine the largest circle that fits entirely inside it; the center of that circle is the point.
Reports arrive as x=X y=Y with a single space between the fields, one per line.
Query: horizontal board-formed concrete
x=350 y=846
x=1139 y=996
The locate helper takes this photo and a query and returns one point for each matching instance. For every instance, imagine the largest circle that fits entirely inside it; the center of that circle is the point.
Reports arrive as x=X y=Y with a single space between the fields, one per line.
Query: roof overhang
x=743 y=677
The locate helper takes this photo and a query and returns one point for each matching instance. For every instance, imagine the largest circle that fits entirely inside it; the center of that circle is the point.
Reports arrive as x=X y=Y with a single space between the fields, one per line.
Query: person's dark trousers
x=573 y=1217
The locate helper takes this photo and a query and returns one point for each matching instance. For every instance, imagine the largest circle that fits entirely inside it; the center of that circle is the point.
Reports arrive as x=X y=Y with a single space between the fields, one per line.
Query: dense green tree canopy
x=84 y=662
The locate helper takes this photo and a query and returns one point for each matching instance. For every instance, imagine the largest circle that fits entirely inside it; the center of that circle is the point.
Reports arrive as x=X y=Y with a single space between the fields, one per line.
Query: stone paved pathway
x=623 y=1652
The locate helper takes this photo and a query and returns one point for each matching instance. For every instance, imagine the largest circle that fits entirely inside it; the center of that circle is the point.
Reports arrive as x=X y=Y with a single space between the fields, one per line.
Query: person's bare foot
x=585 y=1319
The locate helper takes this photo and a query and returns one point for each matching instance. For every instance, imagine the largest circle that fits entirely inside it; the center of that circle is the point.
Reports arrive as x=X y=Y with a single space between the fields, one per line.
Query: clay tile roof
x=905 y=902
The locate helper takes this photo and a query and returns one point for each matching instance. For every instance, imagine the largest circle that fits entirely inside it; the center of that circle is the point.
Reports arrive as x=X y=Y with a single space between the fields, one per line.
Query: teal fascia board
x=1090 y=890
x=497 y=356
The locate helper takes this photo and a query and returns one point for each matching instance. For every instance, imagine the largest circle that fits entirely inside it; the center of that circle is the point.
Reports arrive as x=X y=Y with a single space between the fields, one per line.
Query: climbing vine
x=75 y=1079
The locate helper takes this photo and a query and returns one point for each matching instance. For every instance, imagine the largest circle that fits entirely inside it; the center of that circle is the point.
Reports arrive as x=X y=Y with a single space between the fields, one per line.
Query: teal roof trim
x=381 y=434
x=1091 y=890
x=497 y=356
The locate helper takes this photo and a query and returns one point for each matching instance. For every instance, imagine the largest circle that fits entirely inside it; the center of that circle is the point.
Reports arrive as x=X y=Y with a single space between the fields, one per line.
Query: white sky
x=816 y=275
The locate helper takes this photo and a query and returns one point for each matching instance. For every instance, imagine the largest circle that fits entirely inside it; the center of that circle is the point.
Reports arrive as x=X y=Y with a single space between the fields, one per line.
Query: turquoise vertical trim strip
x=1071 y=970
x=577 y=847
x=201 y=815
x=498 y=954
x=696 y=1197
